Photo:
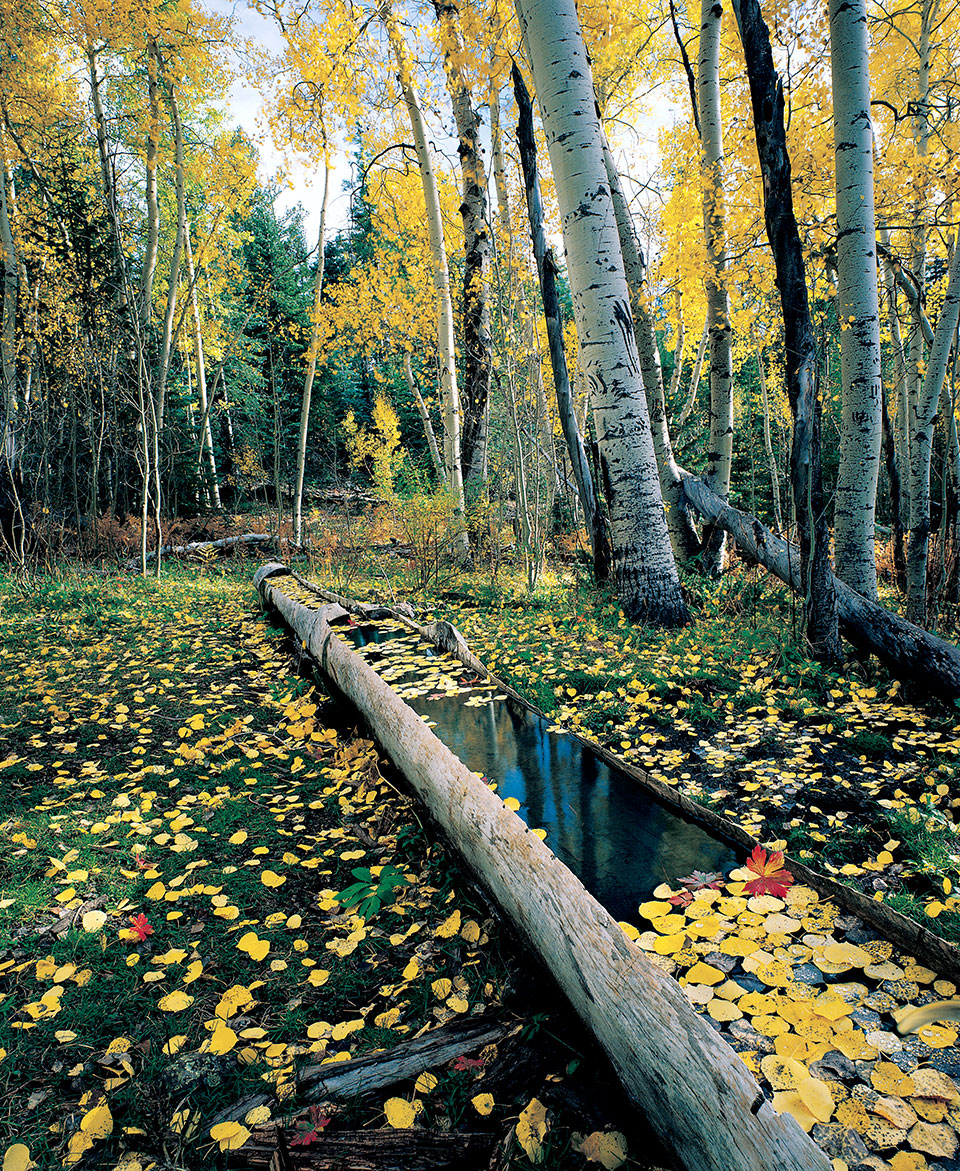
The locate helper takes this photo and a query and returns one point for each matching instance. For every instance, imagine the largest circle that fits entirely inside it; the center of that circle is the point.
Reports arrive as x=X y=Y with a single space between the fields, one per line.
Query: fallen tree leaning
x=205 y=547
x=913 y=655
x=695 y=1091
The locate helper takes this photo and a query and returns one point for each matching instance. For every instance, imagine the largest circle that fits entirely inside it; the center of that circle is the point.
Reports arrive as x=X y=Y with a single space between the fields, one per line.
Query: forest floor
x=180 y=810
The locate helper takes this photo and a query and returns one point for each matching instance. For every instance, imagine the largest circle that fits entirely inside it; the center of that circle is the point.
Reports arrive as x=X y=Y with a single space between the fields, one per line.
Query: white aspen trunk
x=424 y=414
x=646 y=573
x=477 y=341
x=720 y=444
x=901 y=413
x=311 y=365
x=677 y=353
x=695 y=376
x=8 y=338
x=206 y=432
x=166 y=343
x=450 y=394
x=107 y=178
x=768 y=445
x=683 y=534
x=922 y=423
x=858 y=300
x=153 y=213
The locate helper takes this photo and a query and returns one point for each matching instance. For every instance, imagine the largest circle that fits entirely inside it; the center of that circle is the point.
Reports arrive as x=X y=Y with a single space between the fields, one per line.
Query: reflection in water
x=599 y=821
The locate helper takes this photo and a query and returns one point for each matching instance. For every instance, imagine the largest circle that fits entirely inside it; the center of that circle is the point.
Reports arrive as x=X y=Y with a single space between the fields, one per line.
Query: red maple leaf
x=771 y=878
x=683 y=899
x=140 y=926
x=311 y=1136
x=468 y=1063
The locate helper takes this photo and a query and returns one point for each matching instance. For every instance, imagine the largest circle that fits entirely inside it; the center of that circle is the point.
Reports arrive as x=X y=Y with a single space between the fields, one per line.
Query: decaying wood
x=366 y=1150
x=346 y=1080
x=906 y=934
x=695 y=1091
x=208 y=546
x=929 y=663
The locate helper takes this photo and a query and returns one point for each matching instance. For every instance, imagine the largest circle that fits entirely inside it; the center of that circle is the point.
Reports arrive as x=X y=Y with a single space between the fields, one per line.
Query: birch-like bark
x=677 y=372
x=206 y=432
x=425 y=419
x=107 y=179
x=766 y=96
x=858 y=300
x=477 y=341
x=311 y=370
x=546 y=270
x=166 y=341
x=646 y=574
x=924 y=414
x=695 y=375
x=8 y=337
x=720 y=444
x=153 y=212
x=450 y=393
x=683 y=534
x=768 y=445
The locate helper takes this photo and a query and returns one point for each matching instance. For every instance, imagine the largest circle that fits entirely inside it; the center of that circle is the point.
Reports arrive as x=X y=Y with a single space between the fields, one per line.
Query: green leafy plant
x=371 y=890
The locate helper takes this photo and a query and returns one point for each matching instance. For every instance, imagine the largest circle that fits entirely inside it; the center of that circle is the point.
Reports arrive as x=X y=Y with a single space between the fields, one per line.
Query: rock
x=807 y=974
x=839 y=1142
x=834 y=1064
x=194 y=1070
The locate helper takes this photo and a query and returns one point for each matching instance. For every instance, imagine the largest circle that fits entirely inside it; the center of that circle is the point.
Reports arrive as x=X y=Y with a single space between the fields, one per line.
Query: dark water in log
x=600 y=822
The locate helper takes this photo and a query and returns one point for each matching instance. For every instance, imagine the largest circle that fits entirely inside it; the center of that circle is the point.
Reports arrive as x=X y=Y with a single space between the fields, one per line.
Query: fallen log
x=915 y=656
x=346 y=1080
x=206 y=547
x=367 y=1150
x=696 y=1092
x=909 y=936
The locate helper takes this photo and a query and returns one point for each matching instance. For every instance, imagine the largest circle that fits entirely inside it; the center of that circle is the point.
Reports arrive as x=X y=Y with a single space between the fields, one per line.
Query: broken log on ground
x=203 y=547
x=911 y=654
x=366 y=1150
x=694 y=1090
x=346 y=1080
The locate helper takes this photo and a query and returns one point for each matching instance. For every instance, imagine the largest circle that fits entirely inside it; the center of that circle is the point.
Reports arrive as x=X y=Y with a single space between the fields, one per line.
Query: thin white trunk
x=311 y=365
x=858 y=300
x=449 y=390
x=695 y=376
x=166 y=343
x=677 y=354
x=153 y=213
x=922 y=423
x=8 y=338
x=206 y=432
x=768 y=445
x=425 y=419
x=720 y=444
x=646 y=574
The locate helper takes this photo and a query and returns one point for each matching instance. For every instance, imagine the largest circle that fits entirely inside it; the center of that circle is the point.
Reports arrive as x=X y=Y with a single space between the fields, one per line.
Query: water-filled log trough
x=694 y=1090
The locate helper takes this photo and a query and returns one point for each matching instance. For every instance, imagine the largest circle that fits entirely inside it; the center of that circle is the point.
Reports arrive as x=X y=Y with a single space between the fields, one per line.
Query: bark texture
x=858 y=297
x=695 y=1090
x=644 y=568
x=547 y=272
x=766 y=95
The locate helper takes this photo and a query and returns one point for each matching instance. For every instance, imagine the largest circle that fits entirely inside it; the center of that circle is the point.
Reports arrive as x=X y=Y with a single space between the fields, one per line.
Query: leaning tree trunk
x=766 y=94
x=449 y=388
x=720 y=444
x=644 y=568
x=546 y=269
x=929 y=664
x=477 y=342
x=311 y=366
x=921 y=446
x=693 y=1088
x=858 y=296
x=683 y=534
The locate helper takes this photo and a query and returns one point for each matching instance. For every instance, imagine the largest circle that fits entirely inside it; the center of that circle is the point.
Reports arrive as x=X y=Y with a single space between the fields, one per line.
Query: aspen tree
x=644 y=568
x=720 y=449
x=858 y=300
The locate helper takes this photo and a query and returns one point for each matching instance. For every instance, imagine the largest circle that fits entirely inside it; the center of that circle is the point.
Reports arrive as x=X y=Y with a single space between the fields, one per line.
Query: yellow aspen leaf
x=175 y=1044
x=318 y=977
x=482 y=1103
x=411 y=971
x=17 y=1158
x=449 y=927
x=223 y=1039
x=606 y=1147
x=98 y=1122
x=470 y=931
x=425 y=1082
x=256 y=948
x=531 y=1129
x=271 y=879
x=816 y=1096
x=441 y=988
x=400 y=1113
x=175 y=1002
x=230 y=1135
x=93 y=920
